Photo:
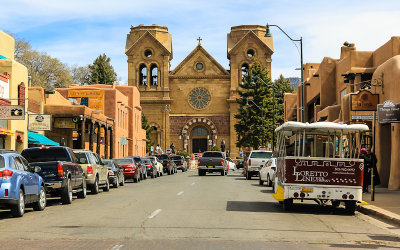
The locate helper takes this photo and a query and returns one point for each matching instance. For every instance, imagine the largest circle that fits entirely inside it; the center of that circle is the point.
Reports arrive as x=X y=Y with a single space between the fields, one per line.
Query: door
x=199 y=145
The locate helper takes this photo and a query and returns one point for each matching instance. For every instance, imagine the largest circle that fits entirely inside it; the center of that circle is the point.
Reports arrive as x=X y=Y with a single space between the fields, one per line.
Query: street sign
x=39 y=122
x=362 y=117
x=168 y=151
x=124 y=141
x=152 y=148
x=389 y=112
x=12 y=112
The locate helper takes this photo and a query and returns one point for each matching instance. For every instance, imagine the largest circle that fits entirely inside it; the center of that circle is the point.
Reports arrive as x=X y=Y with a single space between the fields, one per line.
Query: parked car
x=212 y=161
x=255 y=162
x=231 y=164
x=267 y=173
x=115 y=173
x=180 y=162
x=157 y=163
x=96 y=171
x=150 y=168
x=169 y=166
x=131 y=170
x=143 y=170
x=60 y=171
x=20 y=185
x=239 y=164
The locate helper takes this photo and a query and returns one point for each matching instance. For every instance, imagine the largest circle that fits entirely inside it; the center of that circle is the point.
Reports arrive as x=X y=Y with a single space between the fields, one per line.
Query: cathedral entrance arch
x=200 y=134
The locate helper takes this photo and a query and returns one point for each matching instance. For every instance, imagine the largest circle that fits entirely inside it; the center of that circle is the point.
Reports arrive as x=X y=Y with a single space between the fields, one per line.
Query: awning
x=34 y=138
x=4 y=131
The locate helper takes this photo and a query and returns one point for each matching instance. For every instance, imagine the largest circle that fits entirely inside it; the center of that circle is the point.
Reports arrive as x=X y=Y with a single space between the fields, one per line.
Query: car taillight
x=198 y=161
x=60 y=171
x=6 y=192
x=167 y=163
x=90 y=170
x=6 y=174
x=110 y=172
x=181 y=162
x=222 y=162
x=149 y=166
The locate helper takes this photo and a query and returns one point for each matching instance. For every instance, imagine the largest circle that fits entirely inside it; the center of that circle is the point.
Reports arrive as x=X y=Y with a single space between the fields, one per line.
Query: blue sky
x=77 y=31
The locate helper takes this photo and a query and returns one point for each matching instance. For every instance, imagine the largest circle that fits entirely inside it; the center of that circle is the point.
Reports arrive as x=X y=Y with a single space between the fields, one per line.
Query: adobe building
x=348 y=90
x=13 y=79
x=193 y=105
x=121 y=107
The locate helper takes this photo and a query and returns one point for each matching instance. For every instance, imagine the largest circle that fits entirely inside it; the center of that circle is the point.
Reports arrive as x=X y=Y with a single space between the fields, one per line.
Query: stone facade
x=193 y=105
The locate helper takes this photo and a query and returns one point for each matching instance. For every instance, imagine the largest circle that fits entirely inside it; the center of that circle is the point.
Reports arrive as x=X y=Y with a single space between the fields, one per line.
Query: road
x=186 y=211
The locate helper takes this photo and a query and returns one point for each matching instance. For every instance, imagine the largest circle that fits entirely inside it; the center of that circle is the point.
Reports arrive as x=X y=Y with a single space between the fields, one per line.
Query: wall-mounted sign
x=39 y=122
x=61 y=122
x=12 y=112
x=75 y=135
x=389 y=112
x=124 y=141
x=364 y=101
x=93 y=99
x=362 y=117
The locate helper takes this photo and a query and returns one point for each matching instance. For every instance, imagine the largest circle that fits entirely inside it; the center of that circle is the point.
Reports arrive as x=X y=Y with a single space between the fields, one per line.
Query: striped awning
x=4 y=131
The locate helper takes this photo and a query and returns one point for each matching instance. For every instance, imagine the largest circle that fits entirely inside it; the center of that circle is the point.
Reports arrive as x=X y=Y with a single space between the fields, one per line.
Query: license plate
x=210 y=166
x=306 y=190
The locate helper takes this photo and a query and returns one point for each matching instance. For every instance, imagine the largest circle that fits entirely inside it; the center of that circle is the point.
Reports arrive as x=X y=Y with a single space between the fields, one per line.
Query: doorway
x=199 y=145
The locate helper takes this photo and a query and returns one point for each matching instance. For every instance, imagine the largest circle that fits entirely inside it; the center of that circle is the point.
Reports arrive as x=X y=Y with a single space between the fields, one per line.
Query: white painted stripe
x=193 y=183
x=180 y=193
x=116 y=247
x=154 y=214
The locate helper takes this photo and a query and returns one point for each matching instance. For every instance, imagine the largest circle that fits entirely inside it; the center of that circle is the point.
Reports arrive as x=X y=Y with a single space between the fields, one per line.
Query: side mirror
x=37 y=169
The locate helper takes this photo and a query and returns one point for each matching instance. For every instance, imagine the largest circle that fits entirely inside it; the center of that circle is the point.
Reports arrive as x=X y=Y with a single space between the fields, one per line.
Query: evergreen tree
x=255 y=100
x=101 y=71
x=149 y=129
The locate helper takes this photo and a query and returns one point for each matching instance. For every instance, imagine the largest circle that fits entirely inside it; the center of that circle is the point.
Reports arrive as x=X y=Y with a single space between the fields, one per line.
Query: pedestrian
x=158 y=149
x=374 y=169
x=172 y=146
x=367 y=166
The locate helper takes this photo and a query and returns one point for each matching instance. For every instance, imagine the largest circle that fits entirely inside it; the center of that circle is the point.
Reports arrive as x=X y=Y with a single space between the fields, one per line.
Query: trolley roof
x=322 y=127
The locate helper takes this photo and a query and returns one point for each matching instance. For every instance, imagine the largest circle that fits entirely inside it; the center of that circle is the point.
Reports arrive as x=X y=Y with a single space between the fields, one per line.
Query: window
x=199 y=98
x=250 y=53
x=261 y=155
x=199 y=131
x=244 y=71
x=143 y=75
x=154 y=75
x=199 y=66
x=148 y=53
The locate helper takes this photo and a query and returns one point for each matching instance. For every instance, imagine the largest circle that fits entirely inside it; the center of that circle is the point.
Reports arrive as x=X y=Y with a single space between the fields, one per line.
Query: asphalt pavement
x=187 y=211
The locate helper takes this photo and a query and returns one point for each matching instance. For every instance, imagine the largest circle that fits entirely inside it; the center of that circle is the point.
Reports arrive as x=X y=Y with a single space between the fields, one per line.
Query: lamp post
x=268 y=34
x=165 y=127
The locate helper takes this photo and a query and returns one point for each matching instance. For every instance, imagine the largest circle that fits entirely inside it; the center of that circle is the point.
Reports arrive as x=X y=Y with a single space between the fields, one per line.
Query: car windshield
x=264 y=154
x=46 y=154
x=81 y=157
x=2 y=162
x=213 y=154
x=123 y=161
x=176 y=158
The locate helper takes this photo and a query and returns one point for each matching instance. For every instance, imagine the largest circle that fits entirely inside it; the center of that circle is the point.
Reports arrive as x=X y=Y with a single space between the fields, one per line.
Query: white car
x=158 y=164
x=256 y=161
x=231 y=164
x=267 y=173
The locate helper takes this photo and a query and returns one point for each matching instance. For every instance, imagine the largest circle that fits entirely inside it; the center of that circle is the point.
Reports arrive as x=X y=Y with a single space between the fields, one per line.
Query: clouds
x=78 y=31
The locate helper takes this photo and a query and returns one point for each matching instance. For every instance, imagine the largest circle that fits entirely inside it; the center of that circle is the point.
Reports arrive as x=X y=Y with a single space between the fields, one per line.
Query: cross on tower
x=199 y=39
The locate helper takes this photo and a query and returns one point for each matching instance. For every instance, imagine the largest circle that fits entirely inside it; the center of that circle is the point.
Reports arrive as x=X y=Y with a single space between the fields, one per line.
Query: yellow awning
x=4 y=131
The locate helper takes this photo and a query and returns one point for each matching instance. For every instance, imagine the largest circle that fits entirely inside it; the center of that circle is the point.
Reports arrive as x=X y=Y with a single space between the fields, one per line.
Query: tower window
x=143 y=75
x=199 y=66
x=244 y=71
x=250 y=53
x=148 y=53
x=154 y=75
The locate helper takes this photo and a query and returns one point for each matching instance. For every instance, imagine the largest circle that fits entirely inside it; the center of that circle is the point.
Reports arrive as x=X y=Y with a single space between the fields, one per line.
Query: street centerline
x=154 y=214
x=180 y=193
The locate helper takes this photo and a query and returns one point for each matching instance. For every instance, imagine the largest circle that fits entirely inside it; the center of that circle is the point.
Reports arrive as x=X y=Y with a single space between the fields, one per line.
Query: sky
x=77 y=31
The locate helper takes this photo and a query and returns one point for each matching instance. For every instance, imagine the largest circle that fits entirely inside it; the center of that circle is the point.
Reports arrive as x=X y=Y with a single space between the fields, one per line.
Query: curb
x=380 y=213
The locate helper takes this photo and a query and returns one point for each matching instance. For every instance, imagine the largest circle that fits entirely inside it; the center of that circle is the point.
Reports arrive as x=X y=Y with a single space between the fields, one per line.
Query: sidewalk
x=386 y=205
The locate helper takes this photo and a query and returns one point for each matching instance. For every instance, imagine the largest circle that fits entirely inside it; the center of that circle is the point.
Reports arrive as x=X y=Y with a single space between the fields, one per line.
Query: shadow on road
x=275 y=207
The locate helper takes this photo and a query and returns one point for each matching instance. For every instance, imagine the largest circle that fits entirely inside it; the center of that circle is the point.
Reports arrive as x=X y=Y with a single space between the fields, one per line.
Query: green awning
x=34 y=138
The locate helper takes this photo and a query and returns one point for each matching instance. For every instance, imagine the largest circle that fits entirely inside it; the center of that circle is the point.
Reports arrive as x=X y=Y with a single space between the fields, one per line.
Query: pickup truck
x=59 y=168
x=212 y=161
x=255 y=162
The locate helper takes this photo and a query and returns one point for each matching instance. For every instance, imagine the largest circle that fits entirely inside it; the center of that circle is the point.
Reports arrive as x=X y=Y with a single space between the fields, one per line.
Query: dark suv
x=169 y=166
x=180 y=162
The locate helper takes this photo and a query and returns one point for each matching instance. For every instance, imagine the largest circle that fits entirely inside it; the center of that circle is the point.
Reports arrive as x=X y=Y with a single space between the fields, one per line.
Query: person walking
x=373 y=169
x=367 y=166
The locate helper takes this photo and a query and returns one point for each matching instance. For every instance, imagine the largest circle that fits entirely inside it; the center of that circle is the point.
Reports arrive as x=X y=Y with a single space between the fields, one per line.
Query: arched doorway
x=199 y=137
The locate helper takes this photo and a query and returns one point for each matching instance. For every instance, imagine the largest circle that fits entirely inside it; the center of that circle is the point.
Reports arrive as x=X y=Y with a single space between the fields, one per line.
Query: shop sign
x=12 y=112
x=362 y=117
x=93 y=99
x=124 y=141
x=364 y=101
x=75 y=135
x=39 y=122
x=388 y=112
x=63 y=123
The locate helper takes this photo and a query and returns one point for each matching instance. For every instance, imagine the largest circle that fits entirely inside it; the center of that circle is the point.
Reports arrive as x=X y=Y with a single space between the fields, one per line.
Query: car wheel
x=122 y=183
x=41 y=203
x=269 y=184
x=145 y=175
x=18 y=209
x=287 y=204
x=95 y=187
x=222 y=172
x=350 y=207
x=335 y=203
x=82 y=194
x=116 y=183
x=248 y=176
x=107 y=187
x=261 y=182
x=66 y=195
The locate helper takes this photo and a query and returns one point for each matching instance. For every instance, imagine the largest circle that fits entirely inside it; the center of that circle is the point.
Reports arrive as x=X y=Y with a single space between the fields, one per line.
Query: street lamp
x=268 y=34
x=165 y=127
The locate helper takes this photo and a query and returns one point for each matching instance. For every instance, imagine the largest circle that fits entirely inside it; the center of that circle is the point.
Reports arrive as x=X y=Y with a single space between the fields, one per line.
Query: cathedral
x=193 y=105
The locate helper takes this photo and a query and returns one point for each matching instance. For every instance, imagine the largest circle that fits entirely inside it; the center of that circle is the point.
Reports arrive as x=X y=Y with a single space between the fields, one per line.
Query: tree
x=101 y=71
x=252 y=127
x=149 y=129
x=80 y=74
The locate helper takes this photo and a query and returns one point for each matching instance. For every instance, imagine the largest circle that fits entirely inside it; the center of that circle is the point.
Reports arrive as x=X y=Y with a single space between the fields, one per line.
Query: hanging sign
x=364 y=101
x=389 y=112
x=12 y=112
x=39 y=122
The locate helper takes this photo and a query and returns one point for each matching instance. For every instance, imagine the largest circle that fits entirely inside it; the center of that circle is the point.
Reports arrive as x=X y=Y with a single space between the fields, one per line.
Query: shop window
x=143 y=75
x=154 y=75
